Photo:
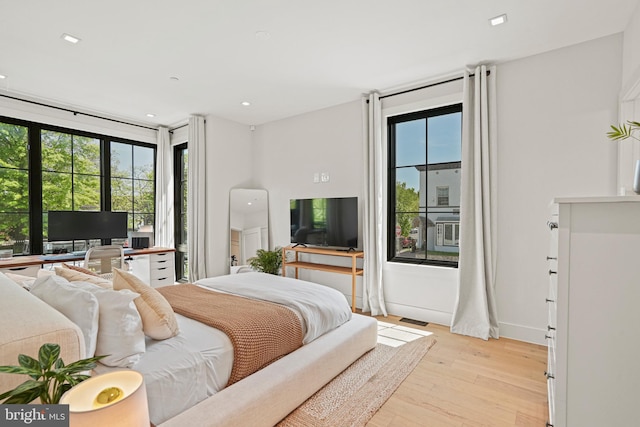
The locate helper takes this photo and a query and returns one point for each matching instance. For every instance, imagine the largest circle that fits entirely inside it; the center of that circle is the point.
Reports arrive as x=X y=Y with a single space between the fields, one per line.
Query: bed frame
x=267 y=396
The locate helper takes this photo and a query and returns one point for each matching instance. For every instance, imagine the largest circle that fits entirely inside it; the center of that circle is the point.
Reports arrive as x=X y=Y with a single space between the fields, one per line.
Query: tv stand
x=353 y=271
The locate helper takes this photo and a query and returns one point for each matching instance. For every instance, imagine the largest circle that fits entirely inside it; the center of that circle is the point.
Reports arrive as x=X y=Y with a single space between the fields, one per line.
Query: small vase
x=636 y=178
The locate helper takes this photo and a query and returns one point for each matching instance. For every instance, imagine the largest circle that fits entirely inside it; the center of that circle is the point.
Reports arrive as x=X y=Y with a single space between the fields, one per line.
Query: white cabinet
x=156 y=269
x=596 y=344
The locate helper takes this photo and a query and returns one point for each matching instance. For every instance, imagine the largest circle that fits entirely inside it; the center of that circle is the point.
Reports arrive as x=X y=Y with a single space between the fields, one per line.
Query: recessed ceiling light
x=70 y=38
x=174 y=79
x=249 y=203
x=498 y=20
x=150 y=115
x=246 y=103
x=2 y=76
x=263 y=35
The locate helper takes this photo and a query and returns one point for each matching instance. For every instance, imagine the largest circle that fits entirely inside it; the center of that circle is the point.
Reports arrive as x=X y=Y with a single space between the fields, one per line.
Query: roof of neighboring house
x=439 y=166
x=448 y=219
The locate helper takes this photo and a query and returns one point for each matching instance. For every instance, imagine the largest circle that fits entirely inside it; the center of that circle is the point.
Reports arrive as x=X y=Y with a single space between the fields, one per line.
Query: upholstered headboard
x=26 y=323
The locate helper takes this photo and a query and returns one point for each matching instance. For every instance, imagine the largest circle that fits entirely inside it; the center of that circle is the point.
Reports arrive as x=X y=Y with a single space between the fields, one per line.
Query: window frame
x=180 y=221
x=36 y=213
x=392 y=120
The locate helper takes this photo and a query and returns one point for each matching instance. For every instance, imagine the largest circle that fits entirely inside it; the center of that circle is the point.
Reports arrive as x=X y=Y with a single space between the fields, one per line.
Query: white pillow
x=78 y=305
x=120 y=335
x=22 y=280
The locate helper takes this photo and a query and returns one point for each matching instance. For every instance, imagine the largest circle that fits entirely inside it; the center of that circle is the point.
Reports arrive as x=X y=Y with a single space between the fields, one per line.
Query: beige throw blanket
x=261 y=332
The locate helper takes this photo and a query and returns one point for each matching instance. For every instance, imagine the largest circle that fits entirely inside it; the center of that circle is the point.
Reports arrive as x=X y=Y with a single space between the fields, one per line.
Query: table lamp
x=116 y=398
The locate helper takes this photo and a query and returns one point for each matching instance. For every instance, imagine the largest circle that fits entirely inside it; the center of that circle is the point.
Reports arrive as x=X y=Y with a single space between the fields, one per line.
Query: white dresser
x=156 y=269
x=594 y=313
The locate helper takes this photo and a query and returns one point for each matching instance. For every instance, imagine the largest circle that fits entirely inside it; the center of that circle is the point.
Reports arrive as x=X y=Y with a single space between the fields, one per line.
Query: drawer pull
x=549 y=300
x=549 y=337
x=548 y=375
x=162 y=278
x=549 y=258
x=161 y=261
x=161 y=268
x=552 y=225
x=549 y=424
x=17 y=268
x=552 y=272
x=551 y=328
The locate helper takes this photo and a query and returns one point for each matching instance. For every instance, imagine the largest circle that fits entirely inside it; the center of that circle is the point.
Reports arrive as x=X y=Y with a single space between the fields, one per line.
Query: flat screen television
x=78 y=225
x=331 y=222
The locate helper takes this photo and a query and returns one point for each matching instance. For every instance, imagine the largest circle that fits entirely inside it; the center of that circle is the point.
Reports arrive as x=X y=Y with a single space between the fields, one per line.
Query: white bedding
x=184 y=370
x=322 y=308
x=181 y=371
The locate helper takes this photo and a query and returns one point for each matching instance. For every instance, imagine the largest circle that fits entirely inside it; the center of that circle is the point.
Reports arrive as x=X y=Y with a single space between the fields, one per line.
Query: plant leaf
x=21 y=370
x=48 y=354
x=23 y=398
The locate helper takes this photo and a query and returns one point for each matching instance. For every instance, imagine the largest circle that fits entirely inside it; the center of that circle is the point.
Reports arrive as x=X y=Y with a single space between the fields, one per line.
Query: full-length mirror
x=248 y=222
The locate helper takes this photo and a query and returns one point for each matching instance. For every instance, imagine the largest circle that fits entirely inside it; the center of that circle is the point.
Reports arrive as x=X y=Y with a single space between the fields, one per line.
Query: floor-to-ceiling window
x=180 y=165
x=45 y=168
x=14 y=187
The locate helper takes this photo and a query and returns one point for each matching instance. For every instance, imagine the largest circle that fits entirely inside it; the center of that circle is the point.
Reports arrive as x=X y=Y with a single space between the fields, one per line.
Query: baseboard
x=522 y=333
x=426 y=315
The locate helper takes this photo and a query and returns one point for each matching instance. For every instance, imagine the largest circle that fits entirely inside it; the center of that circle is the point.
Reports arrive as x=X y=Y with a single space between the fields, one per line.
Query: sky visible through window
x=444 y=134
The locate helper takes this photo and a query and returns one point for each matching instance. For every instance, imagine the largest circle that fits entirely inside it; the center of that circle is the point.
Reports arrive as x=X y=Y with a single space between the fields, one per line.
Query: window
x=443 y=196
x=44 y=168
x=424 y=163
x=180 y=164
x=133 y=183
x=14 y=188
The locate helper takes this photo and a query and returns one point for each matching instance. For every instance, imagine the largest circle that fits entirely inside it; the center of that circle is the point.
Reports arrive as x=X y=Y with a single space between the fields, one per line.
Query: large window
x=14 y=187
x=424 y=186
x=44 y=168
x=180 y=164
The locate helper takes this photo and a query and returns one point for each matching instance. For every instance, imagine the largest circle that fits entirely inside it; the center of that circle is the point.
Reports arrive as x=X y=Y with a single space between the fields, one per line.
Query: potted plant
x=622 y=132
x=267 y=261
x=49 y=377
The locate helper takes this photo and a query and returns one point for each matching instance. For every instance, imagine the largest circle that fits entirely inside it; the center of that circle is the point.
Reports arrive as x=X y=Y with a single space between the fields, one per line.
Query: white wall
x=288 y=152
x=554 y=110
x=229 y=164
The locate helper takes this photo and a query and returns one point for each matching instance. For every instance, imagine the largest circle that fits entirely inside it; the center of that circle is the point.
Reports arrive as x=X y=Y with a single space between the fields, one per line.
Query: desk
x=153 y=265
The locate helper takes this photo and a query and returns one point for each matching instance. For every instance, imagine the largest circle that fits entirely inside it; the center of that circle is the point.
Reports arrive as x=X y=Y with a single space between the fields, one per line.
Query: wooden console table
x=353 y=270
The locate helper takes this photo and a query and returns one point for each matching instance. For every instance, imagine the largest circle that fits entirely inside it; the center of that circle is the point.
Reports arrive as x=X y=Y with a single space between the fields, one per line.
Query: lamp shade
x=129 y=410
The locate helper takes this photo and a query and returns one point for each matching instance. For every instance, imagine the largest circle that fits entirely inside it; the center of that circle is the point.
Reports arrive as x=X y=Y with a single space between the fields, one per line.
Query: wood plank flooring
x=466 y=382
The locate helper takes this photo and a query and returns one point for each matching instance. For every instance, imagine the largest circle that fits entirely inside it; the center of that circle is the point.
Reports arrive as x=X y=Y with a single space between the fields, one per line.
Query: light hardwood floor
x=465 y=381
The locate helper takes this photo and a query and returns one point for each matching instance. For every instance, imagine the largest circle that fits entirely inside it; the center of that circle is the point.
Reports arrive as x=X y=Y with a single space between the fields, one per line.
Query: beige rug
x=354 y=396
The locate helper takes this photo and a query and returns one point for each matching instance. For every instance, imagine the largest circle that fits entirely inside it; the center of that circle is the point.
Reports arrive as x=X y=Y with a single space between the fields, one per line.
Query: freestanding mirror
x=248 y=223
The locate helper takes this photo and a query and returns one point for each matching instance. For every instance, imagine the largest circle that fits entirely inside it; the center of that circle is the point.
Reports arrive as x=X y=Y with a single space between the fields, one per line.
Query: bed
x=186 y=376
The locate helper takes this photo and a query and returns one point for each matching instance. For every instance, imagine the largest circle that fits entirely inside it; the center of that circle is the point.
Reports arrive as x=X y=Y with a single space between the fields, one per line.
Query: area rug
x=354 y=396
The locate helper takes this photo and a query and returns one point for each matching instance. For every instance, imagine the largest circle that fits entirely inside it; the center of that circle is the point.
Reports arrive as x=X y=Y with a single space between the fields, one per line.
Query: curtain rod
x=75 y=113
x=428 y=86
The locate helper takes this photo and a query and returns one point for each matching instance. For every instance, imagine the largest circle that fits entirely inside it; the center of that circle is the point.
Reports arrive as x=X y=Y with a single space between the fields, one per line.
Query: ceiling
x=285 y=57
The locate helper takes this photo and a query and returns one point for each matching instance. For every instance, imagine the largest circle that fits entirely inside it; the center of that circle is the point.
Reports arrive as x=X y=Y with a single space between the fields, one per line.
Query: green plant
x=50 y=378
x=624 y=131
x=267 y=261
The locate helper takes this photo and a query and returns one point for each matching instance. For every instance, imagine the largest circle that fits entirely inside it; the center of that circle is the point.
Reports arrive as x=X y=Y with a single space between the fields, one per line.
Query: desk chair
x=102 y=257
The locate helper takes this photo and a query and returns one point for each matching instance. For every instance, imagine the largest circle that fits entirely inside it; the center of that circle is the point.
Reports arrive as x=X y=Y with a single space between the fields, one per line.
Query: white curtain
x=475 y=313
x=373 y=234
x=197 y=200
x=164 y=232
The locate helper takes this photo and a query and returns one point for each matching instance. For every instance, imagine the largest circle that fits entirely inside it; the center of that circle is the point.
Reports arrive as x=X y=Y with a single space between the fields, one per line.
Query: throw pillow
x=120 y=335
x=77 y=276
x=158 y=319
x=80 y=269
x=22 y=280
x=78 y=305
